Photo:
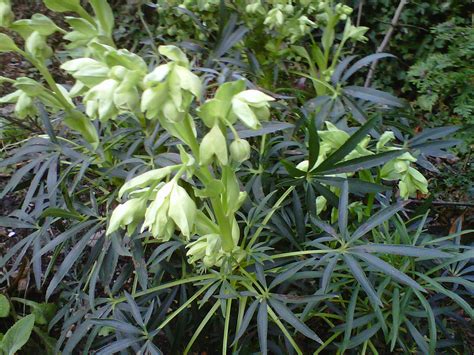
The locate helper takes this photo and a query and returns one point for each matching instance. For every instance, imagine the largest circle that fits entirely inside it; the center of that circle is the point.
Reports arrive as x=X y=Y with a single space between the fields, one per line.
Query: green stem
x=167 y=285
x=202 y=325
x=85 y=15
x=303 y=252
x=205 y=176
x=284 y=330
x=226 y=326
x=269 y=215
x=184 y=305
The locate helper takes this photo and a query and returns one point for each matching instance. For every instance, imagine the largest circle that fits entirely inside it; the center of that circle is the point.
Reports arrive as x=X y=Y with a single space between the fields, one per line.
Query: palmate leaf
x=336 y=76
x=303 y=299
x=71 y=258
x=119 y=325
x=343 y=210
x=363 y=336
x=297 y=266
x=431 y=321
x=118 y=346
x=364 y=62
x=328 y=272
x=291 y=169
x=432 y=133
x=246 y=321
x=350 y=317
x=313 y=144
x=356 y=186
x=325 y=227
x=450 y=294
x=330 y=196
x=419 y=339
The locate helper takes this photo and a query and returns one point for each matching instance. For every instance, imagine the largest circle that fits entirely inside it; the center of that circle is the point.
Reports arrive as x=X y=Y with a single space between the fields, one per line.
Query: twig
x=359 y=12
x=446 y=203
x=386 y=39
x=148 y=31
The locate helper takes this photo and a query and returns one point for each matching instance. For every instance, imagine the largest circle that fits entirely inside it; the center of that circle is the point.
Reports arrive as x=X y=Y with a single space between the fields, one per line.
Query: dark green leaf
x=377 y=219
x=288 y=316
x=373 y=95
x=313 y=144
x=362 y=163
x=389 y=270
x=246 y=321
x=348 y=146
x=406 y=250
x=359 y=275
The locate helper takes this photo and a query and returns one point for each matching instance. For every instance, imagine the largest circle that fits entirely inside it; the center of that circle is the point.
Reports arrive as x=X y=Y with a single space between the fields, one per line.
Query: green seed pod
x=240 y=150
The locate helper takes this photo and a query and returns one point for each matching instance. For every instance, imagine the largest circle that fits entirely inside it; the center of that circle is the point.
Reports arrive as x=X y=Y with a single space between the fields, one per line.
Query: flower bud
x=240 y=150
x=128 y=214
x=213 y=144
x=171 y=207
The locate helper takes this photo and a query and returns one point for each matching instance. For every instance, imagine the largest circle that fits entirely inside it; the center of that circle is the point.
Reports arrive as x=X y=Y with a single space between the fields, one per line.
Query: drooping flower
x=170 y=87
x=251 y=107
x=171 y=208
x=128 y=214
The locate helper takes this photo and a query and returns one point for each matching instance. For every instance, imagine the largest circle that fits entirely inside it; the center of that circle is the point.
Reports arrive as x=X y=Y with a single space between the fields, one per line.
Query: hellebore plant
x=193 y=207
x=170 y=90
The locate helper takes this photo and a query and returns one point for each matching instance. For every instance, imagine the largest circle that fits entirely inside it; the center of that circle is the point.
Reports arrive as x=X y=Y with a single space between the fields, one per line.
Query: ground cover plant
x=223 y=187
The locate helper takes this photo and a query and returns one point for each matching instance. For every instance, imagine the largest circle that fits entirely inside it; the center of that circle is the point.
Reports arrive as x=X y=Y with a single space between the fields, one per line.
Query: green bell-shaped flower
x=170 y=88
x=172 y=207
x=128 y=214
x=250 y=107
x=99 y=100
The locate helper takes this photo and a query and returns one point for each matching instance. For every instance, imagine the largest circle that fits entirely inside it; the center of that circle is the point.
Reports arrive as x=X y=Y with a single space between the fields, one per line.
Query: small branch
x=148 y=31
x=386 y=39
x=359 y=12
x=445 y=203
x=359 y=17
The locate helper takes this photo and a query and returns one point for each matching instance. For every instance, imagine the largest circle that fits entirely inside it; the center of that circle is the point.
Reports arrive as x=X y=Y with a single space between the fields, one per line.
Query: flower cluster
x=410 y=180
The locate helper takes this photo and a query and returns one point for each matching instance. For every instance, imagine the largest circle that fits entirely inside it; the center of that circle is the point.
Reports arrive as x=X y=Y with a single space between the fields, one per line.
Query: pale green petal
x=245 y=114
x=146 y=179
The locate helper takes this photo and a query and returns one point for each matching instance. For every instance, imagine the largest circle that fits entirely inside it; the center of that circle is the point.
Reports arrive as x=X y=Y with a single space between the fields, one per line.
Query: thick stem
x=205 y=176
